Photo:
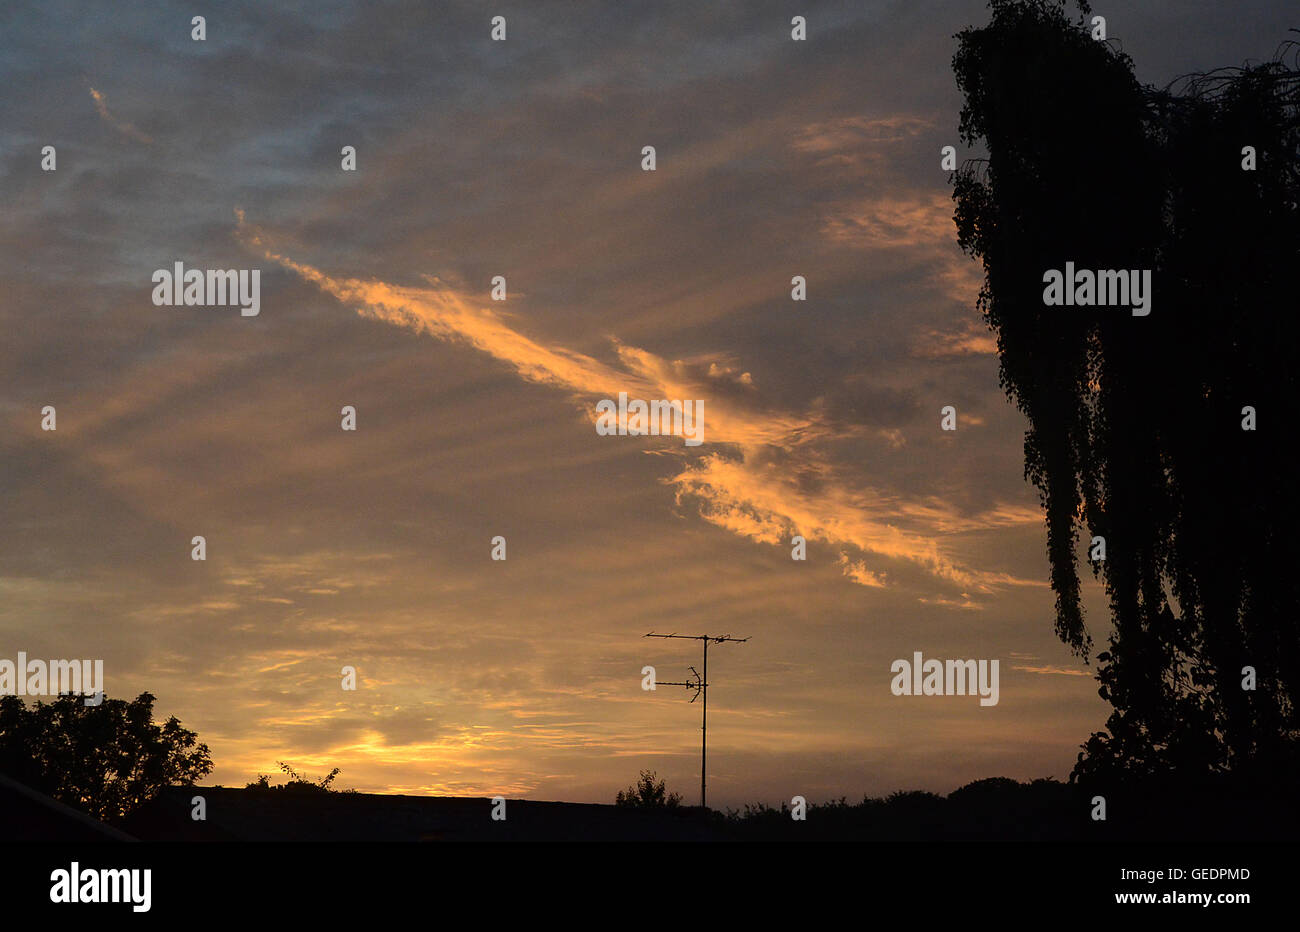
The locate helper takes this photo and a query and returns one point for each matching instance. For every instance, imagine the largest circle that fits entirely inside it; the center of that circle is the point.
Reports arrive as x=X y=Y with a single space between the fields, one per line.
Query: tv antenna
x=701 y=686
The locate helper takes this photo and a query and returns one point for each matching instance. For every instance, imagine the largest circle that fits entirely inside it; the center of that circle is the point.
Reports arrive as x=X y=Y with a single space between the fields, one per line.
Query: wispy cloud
x=760 y=491
x=1053 y=671
x=769 y=503
x=973 y=339
x=126 y=129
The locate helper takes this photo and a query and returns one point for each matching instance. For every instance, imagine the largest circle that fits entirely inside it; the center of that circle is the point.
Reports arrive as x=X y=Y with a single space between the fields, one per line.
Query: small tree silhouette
x=648 y=794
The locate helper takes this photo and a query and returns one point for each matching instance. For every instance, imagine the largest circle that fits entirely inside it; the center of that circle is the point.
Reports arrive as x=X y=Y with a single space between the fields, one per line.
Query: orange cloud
x=974 y=339
x=127 y=129
x=892 y=221
x=748 y=494
x=768 y=505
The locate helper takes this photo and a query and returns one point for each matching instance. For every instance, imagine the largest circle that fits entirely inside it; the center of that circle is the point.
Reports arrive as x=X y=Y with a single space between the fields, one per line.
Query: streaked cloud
x=123 y=127
x=1054 y=671
x=754 y=500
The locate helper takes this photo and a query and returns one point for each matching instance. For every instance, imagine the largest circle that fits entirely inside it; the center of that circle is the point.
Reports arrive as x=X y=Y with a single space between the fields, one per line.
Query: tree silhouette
x=1136 y=423
x=648 y=794
x=105 y=760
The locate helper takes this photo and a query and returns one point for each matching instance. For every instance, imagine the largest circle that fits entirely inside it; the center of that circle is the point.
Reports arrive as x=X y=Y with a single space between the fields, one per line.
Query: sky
x=475 y=418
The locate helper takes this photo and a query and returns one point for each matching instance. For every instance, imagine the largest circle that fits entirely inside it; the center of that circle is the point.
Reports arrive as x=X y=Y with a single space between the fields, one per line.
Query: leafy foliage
x=1135 y=423
x=105 y=760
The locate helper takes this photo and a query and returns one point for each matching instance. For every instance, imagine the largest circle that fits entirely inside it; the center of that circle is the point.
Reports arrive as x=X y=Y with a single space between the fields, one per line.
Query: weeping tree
x=1163 y=435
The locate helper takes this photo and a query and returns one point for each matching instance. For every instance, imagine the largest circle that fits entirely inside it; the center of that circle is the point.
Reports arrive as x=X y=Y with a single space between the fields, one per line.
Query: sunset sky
x=475 y=418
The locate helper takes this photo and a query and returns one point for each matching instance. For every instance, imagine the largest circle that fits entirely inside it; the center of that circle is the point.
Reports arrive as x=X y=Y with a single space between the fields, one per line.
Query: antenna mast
x=701 y=686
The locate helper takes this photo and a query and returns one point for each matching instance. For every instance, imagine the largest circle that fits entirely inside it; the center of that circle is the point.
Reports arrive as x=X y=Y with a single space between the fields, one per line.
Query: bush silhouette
x=648 y=794
x=297 y=784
